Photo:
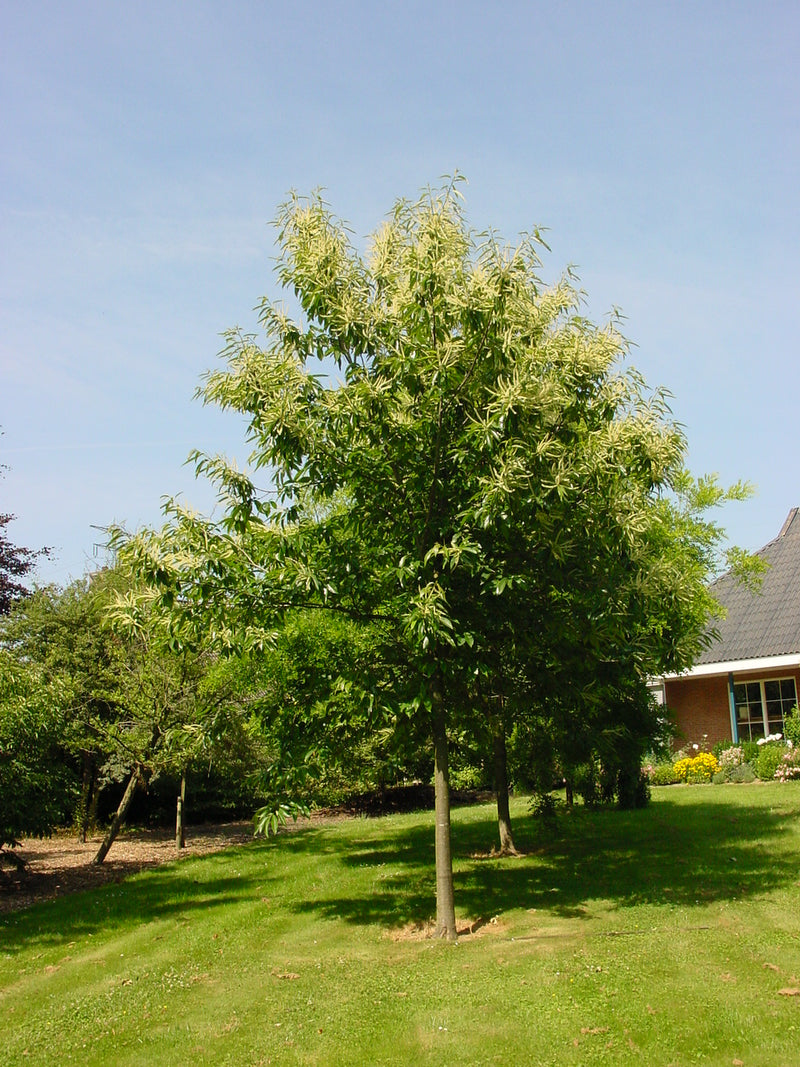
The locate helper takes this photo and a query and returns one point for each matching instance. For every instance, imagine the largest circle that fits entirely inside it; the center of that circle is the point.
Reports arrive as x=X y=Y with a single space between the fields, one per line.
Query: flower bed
x=694 y=769
x=772 y=758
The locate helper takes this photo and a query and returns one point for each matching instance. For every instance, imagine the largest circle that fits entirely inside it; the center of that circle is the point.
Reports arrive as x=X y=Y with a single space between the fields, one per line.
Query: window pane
x=772 y=690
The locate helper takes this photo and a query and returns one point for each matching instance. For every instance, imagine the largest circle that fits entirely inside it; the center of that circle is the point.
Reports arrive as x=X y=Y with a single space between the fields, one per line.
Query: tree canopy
x=458 y=457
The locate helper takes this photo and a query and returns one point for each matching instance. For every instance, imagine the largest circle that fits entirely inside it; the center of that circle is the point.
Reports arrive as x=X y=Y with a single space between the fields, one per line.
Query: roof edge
x=736 y=666
x=788 y=522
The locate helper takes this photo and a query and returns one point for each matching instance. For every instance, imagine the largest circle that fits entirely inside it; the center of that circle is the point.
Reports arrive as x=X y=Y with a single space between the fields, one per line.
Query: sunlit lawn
x=664 y=937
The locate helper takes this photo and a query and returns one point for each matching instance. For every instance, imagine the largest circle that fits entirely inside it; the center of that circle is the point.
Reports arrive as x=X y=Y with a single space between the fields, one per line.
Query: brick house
x=747 y=682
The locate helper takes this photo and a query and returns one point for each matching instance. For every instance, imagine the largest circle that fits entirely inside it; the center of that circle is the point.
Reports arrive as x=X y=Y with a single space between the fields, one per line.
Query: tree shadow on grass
x=669 y=854
x=161 y=893
x=672 y=853
x=137 y=894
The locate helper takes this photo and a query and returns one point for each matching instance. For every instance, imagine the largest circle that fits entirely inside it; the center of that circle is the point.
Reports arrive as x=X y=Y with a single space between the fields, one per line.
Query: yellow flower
x=703 y=766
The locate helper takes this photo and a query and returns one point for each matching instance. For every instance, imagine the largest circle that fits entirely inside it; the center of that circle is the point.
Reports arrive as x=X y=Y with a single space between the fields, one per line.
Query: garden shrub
x=769 y=756
x=742 y=774
x=468 y=778
x=731 y=757
x=791 y=727
x=750 y=750
x=720 y=747
x=642 y=794
x=663 y=774
x=633 y=789
x=586 y=783
x=545 y=806
x=696 y=769
x=731 y=766
x=607 y=782
x=698 y=775
x=789 y=767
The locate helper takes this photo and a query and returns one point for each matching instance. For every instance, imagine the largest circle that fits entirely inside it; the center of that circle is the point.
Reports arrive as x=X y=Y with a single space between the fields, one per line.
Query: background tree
x=116 y=703
x=16 y=563
x=37 y=785
x=64 y=632
x=622 y=610
x=317 y=693
x=478 y=443
x=173 y=707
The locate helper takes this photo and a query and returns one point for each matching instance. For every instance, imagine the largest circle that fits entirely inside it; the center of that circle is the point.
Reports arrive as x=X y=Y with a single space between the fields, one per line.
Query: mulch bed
x=62 y=864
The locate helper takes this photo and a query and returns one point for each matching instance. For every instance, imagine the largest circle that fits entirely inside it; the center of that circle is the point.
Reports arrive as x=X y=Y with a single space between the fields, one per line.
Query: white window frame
x=746 y=724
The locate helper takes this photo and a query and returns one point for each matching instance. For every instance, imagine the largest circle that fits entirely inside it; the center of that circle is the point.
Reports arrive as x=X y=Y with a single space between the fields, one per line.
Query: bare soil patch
x=62 y=864
x=464 y=928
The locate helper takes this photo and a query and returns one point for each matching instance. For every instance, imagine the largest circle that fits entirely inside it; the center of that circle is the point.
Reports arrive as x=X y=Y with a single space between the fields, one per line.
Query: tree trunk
x=88 y=801
x=180 y=836
x=445 y=902
x=91 y=821
x=22 y=865
x=119 y=818
x=507 y=846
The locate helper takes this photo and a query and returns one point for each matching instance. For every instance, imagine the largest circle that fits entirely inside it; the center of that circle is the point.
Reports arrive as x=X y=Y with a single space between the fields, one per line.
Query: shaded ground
x=62 y=864
x=403 y=798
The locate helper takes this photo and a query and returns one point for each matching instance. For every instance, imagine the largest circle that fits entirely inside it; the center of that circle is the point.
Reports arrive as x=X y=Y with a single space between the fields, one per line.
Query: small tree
x=119 y=702
x=169 y=709
x=317 y=694
x=477 y=454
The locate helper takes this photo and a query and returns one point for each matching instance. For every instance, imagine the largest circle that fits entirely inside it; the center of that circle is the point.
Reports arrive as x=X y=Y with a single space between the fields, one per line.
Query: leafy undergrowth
x=667 y=936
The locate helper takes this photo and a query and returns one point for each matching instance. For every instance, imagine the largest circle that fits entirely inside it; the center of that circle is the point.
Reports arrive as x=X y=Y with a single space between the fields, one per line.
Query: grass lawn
x=669 y=936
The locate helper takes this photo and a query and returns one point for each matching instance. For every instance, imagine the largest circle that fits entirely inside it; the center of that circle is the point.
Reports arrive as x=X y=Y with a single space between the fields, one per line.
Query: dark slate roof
x=765 y=622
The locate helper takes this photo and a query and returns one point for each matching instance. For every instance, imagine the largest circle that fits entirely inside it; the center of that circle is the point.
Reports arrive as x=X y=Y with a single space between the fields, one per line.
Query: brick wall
x=699 y=706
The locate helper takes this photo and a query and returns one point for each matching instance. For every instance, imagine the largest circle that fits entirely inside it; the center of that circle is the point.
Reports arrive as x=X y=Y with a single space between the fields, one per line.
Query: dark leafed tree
x=469 y=452
x=16 y=564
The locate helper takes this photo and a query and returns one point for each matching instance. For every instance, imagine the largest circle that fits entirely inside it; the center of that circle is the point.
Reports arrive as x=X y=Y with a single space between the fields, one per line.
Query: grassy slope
x=660 y=937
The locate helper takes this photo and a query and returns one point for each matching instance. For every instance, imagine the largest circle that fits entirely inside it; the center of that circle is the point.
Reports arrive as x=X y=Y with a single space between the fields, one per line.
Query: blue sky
x=145 y=147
